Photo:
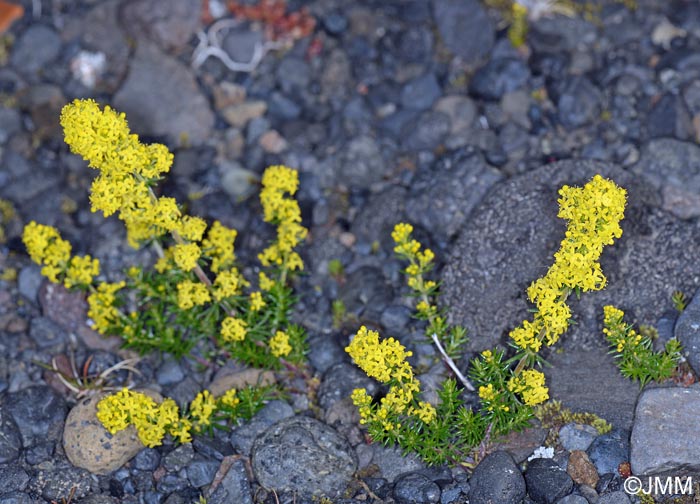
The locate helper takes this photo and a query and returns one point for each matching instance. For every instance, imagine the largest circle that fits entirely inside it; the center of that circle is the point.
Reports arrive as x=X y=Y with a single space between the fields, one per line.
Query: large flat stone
x=665 y=434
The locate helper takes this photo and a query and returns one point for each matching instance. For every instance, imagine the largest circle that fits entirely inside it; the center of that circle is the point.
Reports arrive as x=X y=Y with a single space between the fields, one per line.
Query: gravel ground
x=393 y=110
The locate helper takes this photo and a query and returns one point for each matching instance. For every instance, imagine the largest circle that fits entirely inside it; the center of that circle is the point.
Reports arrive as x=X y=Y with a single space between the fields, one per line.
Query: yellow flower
x=219 y=246
x=233 y=329
x=190 y=294
x=530 y=385
x=426 y=412
x=401 y=232
x=379 y=360
x=186 y=255
x=257 y=302
x=201 y=409
x=487 y=393
x=265 y=282
x=279 y=344
x=101 y=309
x=81 y=271
x=230 y=398
x=228 y=283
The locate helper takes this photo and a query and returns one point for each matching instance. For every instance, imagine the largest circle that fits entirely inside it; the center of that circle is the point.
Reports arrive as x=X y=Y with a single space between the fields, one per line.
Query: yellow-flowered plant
x=634 y=352
x=154 y=421
x=507 y=388
x=195 y=295
x=196 y=288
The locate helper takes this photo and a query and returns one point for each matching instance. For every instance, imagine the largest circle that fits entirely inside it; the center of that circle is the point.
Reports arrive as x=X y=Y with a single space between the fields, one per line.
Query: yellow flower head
x=190 y=294
x=233 y=329
x=257 y=302
x=279 y=344
x=201 y=409
x=380 y=360
x=186 y=255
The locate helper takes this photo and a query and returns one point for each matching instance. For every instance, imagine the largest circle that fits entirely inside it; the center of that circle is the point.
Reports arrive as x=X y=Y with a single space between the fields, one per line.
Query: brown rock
x=88 y=444
x=272 y=142
x=581 y=469
x=227 y=94
x=239 y=380
x=239 y=115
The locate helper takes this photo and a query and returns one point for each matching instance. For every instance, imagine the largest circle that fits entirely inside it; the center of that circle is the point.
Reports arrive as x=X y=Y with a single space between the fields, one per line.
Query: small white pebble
x=542 y=452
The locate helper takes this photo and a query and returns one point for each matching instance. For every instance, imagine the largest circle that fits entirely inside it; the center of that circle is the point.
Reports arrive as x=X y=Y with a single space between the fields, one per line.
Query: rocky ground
x=391 y=110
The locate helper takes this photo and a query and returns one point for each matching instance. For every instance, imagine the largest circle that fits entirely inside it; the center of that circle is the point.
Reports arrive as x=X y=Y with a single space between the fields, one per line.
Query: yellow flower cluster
x=219 y=246
x=421 y=261
x=265 y=282
x=126 y=166
x=257 y=302
x=617 y=332
x=278 y=181
x=530 y=385
x=186 y=255
x=201 y=410
x=233 y=329
x=593 y=214
x=386 y=362
x=228 y=283
x=190 y=294
x=279 y=344
x=46 y=247
x=151 y=420
x=101 y=306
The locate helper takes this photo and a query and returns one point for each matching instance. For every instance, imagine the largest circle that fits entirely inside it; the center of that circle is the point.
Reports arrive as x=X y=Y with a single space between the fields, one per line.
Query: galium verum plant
x=508 y=387
x=195 y=288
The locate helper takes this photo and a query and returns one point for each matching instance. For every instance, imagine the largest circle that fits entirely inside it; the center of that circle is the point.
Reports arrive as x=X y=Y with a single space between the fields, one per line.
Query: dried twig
x=463 y=379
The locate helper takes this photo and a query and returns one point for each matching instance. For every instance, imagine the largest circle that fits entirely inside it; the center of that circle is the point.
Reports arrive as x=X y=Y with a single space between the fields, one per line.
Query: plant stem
x=451 y=364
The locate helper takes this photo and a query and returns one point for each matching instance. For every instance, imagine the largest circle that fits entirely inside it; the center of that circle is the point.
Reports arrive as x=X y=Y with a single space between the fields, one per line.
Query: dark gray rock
x=508 y=242
x=496 y=480
x=179 y=457
x=53 y=485
x=340 y=380
x=663 y=438
x=39 y=413
x=670 y=118
x=234 y=487
x=29 y=281
x=579 y=102
x=560 y=34
x=617 y=497
x=170 y=28
x=390 y=461
x=39 y=453
x=687 y=332
x=673 y=168
x=498 y=77
x=242 y=437
x=10 y=123
x=416 y=489
x=546 y=481
x=293 y=74
x=360 y=163
x=572 y=499
x=170 y=372
x=15 y=498
x=10 y=438
x=98 y=32
x=239 y=43
x=575 y=436
x=442 y=198
x=465 y=28
x=147 y=459
x=282 y=107
x=421 y=92
x=365 y=292
x=13 y=478
x=415 y=44
x=36 y=48
x=171 y=483
x=161 y=98
x=303 y=455
x=46 y=333
x=202 y=472
x=610 y=450
x=395 y=318
x=426 y=132
x=460 y=109
x=335 y=23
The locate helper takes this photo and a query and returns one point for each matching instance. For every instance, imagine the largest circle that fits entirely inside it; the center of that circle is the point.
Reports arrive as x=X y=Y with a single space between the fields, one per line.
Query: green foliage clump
x=634 y=352
x=507 y=388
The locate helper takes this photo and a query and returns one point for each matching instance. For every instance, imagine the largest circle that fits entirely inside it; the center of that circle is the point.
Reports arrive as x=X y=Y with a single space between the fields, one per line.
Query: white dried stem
x=463 y=379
